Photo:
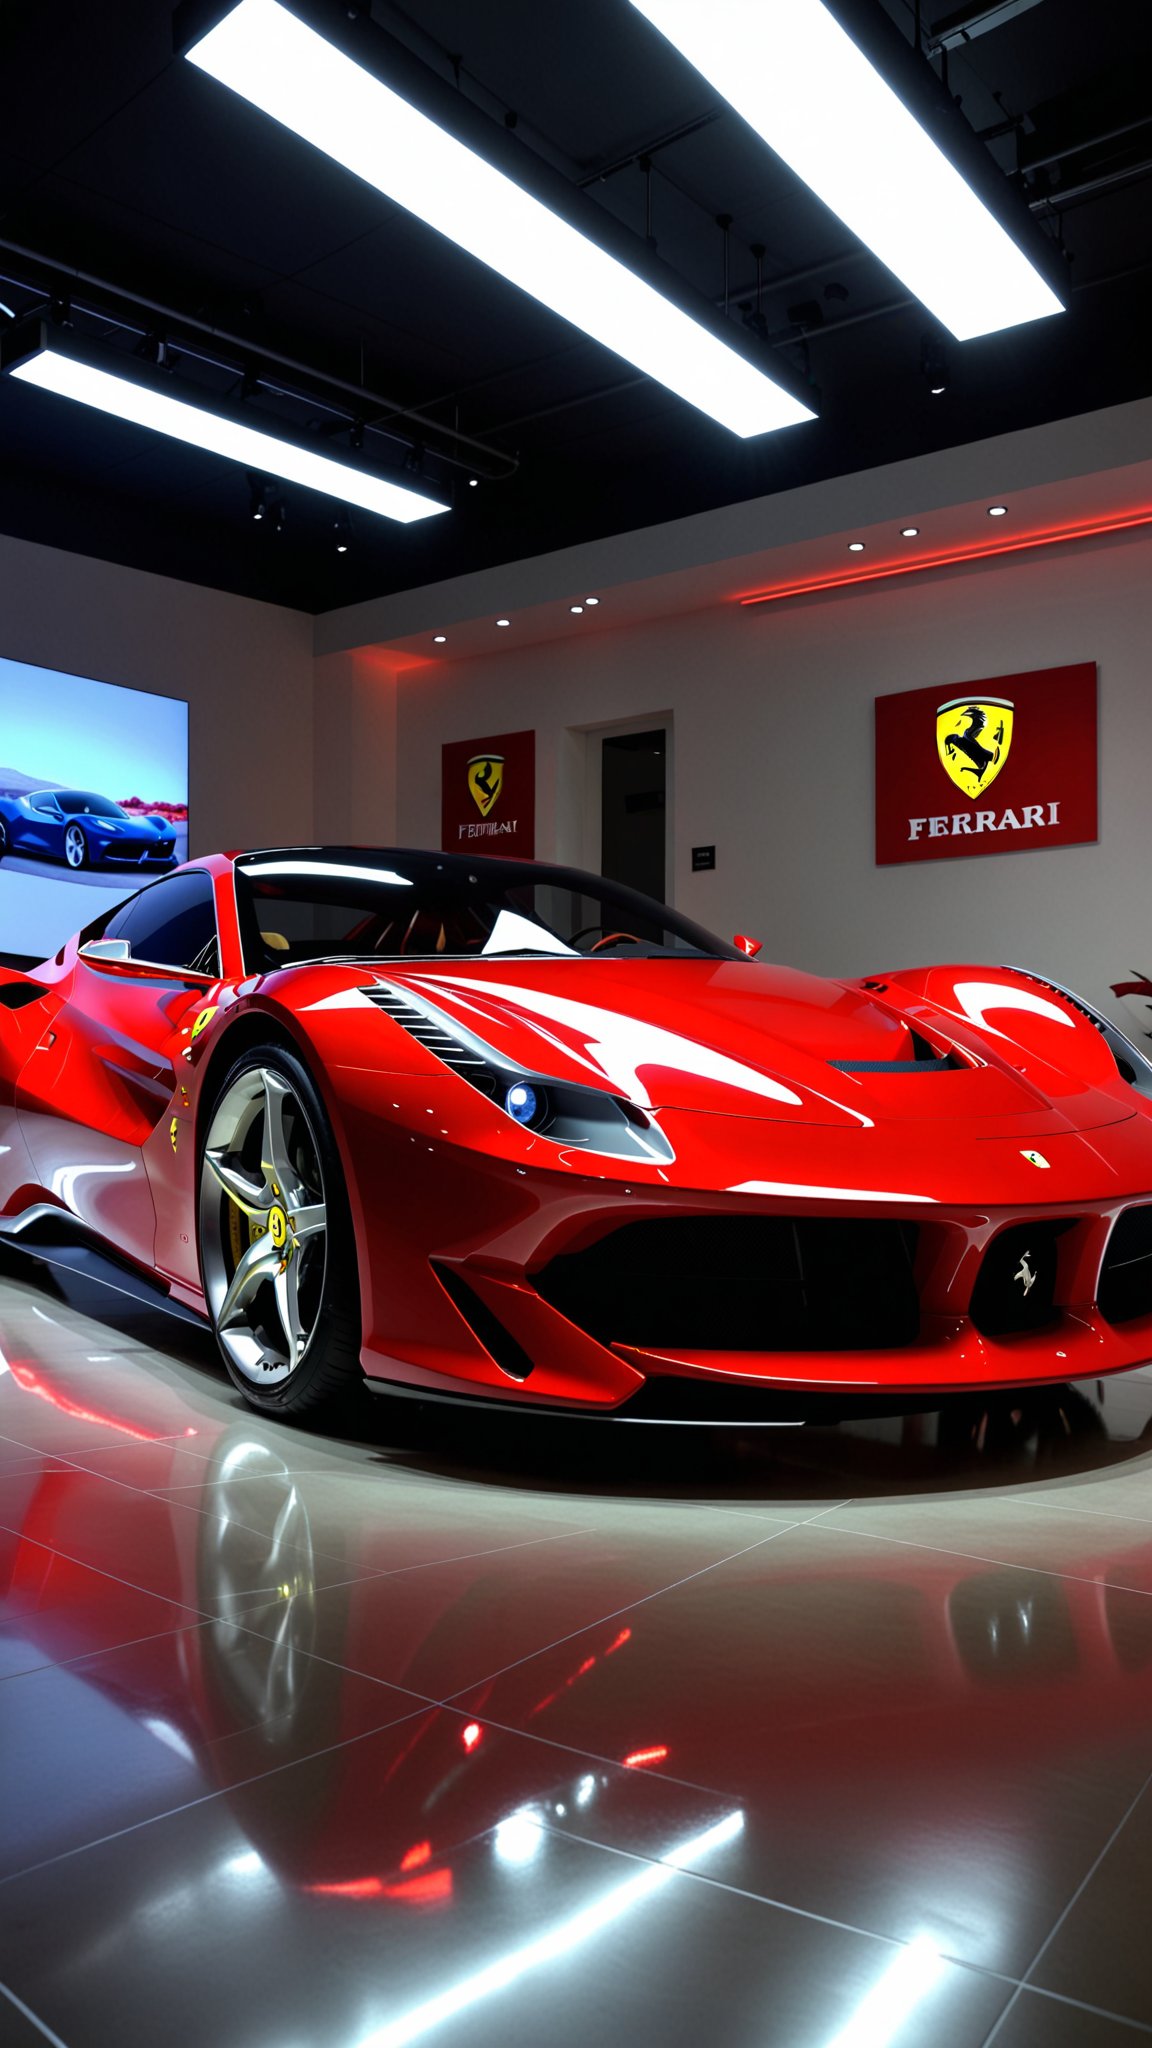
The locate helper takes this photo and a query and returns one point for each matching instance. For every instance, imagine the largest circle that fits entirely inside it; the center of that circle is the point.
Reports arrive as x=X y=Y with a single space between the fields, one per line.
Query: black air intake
x=743 y=1283
x=1126 y=1275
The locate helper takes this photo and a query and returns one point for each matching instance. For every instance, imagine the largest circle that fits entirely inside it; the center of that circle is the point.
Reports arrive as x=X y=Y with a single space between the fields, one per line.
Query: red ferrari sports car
x=483 y=1127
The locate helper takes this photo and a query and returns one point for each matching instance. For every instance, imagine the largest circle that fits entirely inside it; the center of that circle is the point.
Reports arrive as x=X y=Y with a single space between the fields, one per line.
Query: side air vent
x=455 y=1052
x=498 y=1342
x=15 y=994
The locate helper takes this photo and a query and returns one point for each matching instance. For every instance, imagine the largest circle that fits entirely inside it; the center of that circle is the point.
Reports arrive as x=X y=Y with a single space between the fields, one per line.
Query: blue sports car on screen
x=83 y=829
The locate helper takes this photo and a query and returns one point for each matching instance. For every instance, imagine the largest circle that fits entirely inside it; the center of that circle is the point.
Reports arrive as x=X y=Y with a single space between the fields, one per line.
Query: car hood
x=737 y=1038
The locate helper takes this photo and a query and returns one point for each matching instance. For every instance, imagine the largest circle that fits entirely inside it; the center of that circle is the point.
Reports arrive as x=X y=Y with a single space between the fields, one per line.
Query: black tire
x=327 y=1370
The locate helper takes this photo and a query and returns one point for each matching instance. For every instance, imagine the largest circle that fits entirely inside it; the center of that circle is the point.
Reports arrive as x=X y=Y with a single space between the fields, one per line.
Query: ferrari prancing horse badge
x=972 y=741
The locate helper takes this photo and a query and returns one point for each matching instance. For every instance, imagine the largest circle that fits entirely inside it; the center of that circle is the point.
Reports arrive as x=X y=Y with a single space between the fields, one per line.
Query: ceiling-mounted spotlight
x=934 y=364
x=473 y=481
x=997 y=511
x=356 y=435
x=414 y=460
x=343 y=532
x=130 y=390
x=279 y=516
x=552 y=251
x=503 y=622
x=439 y=638
x=855 y=547
x=575 y=607
x=259 y=496
x=909 y=532
x=591 y=600
x=798 y=78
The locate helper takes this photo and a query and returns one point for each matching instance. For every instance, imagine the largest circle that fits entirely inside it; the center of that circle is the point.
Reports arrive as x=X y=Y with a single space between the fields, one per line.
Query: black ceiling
x=121 y=162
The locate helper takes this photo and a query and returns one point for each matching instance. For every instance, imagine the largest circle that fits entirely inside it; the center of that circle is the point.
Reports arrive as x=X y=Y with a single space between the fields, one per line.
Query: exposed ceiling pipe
x=1093 y=188
x=370 y=406
x=955 y=30
x=1059 y=156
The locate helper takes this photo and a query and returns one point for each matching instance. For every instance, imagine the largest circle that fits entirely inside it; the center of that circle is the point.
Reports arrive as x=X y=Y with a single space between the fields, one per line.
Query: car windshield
x=336 y=904
x=84 y=802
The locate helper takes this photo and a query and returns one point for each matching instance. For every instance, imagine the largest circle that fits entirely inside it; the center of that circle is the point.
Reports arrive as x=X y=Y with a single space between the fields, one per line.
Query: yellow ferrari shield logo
x=972 y=741
x=174 y=1132
x=485 y=780
x=1034 y=1158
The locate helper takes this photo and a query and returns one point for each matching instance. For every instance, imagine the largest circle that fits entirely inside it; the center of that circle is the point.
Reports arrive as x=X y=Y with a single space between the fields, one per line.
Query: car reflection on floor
x=326 y=1698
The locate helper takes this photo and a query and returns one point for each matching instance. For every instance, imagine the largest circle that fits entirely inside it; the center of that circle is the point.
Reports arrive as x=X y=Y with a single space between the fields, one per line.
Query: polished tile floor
x=460 y=1732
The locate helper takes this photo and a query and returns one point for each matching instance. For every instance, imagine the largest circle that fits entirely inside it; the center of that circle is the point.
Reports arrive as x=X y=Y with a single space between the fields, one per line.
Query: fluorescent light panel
x=70 y=376
x=799 y=80
x=282 y=66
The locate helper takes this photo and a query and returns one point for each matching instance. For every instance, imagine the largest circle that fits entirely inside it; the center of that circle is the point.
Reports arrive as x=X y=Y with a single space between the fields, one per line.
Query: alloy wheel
x=75 y=847
x=263 y=1226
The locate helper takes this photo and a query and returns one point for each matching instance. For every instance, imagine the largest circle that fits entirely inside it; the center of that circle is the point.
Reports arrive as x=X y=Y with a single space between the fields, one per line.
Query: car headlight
x=561 y=1111
x=1133 y=1066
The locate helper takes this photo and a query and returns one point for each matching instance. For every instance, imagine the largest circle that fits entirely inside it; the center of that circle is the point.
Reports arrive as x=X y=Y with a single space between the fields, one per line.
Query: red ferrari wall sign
x=994 y=767
x=488 y=798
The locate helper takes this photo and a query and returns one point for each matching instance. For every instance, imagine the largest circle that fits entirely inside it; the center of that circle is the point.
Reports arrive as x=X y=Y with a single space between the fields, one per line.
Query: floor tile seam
x=195 y=1621
x=875 y=1934
x=206 y=1798
x=1103 y=2012
x=348 y=1670
x=489 y=1677
x=34 y=2019
x=401 y=1571
x=575 y=1749
x=1071 y=1508
x=1085 y=1881
x=981 y=1557
x=41 y=1451
x=68 y=1556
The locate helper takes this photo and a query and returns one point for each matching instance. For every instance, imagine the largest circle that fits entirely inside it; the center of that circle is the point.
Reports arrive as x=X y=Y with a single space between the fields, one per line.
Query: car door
x=103 y=1076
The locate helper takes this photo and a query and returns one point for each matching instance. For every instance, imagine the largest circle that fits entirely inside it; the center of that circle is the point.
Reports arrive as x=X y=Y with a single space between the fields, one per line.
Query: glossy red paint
x=776 y=1094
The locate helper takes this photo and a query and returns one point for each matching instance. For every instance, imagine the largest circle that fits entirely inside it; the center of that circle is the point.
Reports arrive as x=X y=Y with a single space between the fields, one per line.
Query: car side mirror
x=749 y=946
x=106 y=949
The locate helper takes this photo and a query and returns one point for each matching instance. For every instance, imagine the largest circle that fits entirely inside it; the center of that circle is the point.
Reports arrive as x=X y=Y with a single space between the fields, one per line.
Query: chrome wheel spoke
x=264 y=1249
x=288 y=1304
x=310 y=1220
x=258 y=1264
x=275 y=1160
x=250 y=1196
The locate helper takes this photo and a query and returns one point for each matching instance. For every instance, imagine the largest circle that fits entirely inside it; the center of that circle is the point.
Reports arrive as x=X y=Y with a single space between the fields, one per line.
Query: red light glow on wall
x=812 y=586
x=638 y=1758
x=470 y=1736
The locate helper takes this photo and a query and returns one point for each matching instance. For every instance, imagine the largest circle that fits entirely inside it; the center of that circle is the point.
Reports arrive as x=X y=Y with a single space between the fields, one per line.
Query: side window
x=172 y=924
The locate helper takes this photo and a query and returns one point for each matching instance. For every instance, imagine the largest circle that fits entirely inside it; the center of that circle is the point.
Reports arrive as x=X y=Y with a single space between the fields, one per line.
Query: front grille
x=1126 y=1275
x=1015 y=1288
x=748 y=1283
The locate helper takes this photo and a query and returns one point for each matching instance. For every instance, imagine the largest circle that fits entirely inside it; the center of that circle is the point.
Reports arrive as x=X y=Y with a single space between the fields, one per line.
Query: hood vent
x=925 y=1060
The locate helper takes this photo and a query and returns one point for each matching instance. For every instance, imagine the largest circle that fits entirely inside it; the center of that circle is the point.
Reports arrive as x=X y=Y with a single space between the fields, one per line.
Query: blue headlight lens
x=522 y=1102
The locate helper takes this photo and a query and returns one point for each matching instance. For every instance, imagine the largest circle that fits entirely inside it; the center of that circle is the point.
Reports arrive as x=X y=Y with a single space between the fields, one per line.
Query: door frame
x=580 y=829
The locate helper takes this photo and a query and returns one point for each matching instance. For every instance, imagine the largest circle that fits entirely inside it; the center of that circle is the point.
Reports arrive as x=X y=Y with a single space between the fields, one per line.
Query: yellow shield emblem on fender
x=972 y=741
x=485 y=780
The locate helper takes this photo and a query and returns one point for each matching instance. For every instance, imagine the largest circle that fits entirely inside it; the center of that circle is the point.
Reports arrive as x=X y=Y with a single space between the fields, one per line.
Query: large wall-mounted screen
x=93 y=800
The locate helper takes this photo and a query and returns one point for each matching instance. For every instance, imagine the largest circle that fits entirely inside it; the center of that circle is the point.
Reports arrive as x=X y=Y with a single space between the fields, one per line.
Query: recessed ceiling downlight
x=855 y=547
x=503 y=622
x=909 y=532
x=997 y=511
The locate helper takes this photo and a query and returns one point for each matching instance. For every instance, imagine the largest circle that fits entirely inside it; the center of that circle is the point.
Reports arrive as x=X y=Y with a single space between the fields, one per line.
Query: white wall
x=244 y=668
x=773 y=758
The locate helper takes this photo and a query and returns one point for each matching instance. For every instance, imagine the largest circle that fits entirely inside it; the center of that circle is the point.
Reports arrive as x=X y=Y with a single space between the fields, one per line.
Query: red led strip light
x=945 y=561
